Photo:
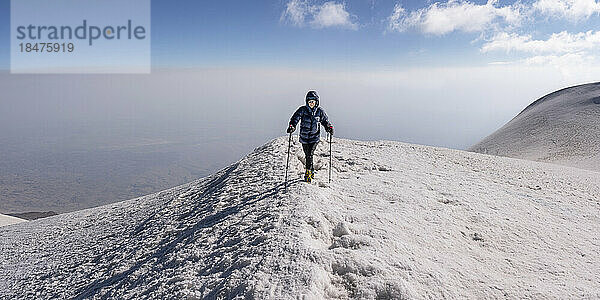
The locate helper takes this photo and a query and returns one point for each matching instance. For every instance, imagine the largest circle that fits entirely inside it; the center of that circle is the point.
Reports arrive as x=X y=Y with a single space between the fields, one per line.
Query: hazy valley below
x=69 y=177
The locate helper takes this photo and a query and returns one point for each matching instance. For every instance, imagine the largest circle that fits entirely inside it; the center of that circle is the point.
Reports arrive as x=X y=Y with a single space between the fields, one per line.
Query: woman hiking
x=311 y=116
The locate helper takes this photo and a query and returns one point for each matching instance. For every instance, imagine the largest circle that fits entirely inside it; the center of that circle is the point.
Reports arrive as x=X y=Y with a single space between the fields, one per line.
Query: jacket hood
x=312 y=95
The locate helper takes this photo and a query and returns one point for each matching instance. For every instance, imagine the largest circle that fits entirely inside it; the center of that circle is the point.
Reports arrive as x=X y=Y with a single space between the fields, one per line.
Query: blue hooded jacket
x=310 y=131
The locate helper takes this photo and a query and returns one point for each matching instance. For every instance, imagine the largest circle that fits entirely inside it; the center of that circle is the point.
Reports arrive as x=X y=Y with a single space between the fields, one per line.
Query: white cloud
x=333 y=14
x=499 y=63
x=455 y=15
x=557 y=43
x=569 y=59
x=573 y=10
x=329 y=14
x=569 y=54
x=573 y=67
x=295 y=12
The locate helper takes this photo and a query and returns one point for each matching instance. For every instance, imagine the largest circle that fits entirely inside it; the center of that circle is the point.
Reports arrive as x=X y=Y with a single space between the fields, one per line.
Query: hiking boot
x=308 y=176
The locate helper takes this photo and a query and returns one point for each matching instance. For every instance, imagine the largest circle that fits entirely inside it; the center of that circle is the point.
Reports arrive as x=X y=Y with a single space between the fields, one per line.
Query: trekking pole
x=330 y=136
x=288 y=160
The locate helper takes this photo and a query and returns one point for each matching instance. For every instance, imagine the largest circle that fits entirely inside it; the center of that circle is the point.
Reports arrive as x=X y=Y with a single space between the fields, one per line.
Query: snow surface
x=9 y=220
x=398 y=221
x=561 y=127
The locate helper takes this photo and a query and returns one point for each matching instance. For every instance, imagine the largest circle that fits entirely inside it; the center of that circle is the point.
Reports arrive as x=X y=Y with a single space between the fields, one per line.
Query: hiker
x=310 y=115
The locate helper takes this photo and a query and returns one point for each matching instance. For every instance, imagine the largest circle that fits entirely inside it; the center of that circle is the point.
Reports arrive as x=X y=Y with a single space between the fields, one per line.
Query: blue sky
x=444 y=73
x=443 y=33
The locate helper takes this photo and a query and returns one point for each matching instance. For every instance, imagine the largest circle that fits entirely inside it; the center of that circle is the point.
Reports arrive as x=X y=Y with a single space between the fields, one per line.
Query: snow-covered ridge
x=398 y=221
x=9 y=220
x=561 y=127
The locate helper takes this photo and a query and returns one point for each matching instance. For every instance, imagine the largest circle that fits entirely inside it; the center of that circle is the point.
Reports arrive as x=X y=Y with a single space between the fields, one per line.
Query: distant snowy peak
x=9 y=220
x=562 y=127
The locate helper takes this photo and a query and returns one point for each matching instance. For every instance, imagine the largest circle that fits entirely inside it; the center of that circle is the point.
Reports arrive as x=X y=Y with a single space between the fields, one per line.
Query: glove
x=291 y=129
x=329 y=129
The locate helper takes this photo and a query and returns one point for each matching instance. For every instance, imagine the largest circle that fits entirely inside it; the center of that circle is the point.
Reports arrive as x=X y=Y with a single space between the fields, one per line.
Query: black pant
x=309 y=151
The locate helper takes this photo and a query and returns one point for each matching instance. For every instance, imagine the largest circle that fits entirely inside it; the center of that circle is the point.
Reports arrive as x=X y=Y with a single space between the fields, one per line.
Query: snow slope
x=561 y=127
x=9 y=220
x=399 y=221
